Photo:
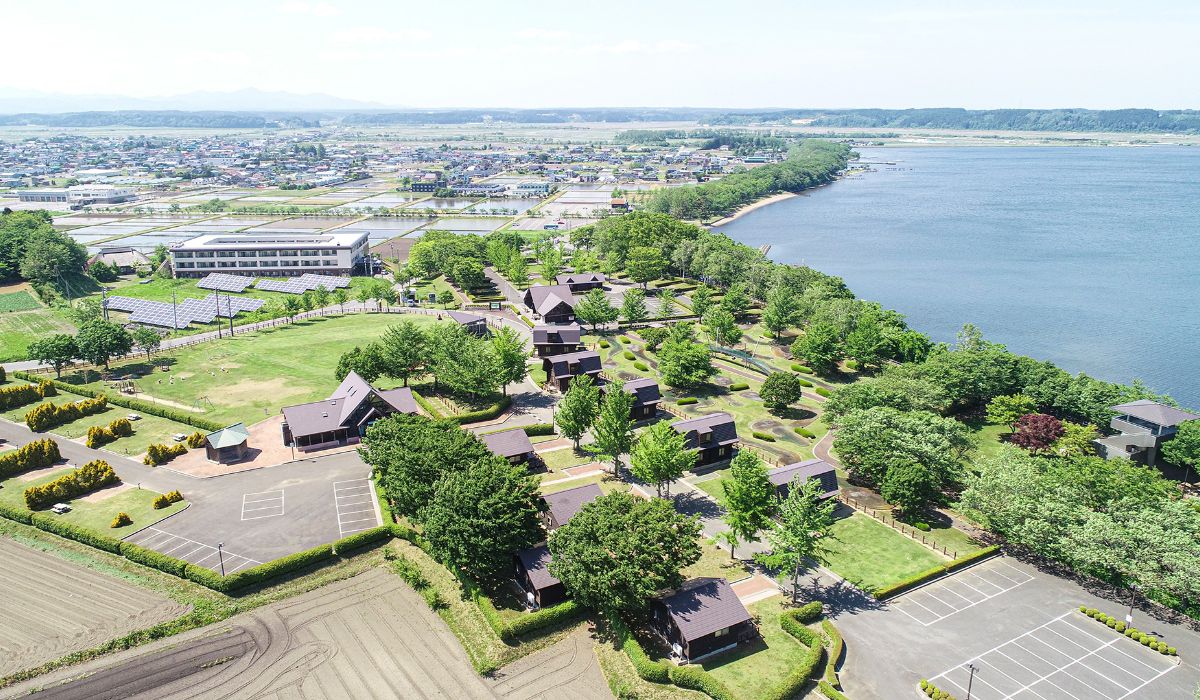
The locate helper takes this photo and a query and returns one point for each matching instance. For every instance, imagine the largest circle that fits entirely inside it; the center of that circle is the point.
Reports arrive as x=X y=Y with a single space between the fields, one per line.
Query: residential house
x=343 y=418
x=703 y=617
x=1142 y=427
x=472 y=323
x=556 y=340
x=513 y=445
x=561 y=369
x=713 y=437
x=532 y=565
x=124 y=258
x=553 y=303
x=646 y=397
x=783 y=477
x=582 y=282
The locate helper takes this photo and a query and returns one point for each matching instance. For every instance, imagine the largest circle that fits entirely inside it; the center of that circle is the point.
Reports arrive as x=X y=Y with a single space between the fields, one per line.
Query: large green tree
x=781 y=311
x=911 y=486
x=57 y=350
x=870 y=441
x=619 y=551
x=659 y=456
x=147 y=339
x=578 y=409
x=645 y=264
x=511 y=355
x=736 y=300
x=1007 y=409
x=595 y=309
x=702 y=300
x=749 y=498
x=99 y=341
x=682 y=362
x=804 y=521
x=367 y=362
x=721 y=327
x=612 y=433
x=780 y=390
x=820 y=347
x=633 y=306
x=1184 y=449
x=405 y=351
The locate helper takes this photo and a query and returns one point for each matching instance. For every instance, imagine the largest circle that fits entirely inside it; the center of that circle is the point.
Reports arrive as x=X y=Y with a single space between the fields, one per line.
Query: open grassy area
x=714 y=487
x=557 y=460
x=989 y=441
x=870 y=554
x=754 y=669
x=252 y=375
x=18 y=301
x=95 y=515
x=20 y=328
x=715 y=561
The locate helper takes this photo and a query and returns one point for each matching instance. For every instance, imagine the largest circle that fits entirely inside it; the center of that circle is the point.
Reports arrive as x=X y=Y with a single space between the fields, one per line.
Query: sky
x=651 y=53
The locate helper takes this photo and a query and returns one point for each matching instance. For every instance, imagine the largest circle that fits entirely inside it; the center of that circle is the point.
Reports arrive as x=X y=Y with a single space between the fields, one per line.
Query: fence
x=890 y=521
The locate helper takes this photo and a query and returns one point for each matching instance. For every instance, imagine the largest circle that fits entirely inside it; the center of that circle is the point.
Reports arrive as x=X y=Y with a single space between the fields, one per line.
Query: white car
x=60 y=508
x=134 y=416
x=179 y=437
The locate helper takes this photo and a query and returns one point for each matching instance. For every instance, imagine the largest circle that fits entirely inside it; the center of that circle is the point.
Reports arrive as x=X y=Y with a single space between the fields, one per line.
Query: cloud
x=544 y=34
x=366 y=35
x=632 y=46
x=311 y=9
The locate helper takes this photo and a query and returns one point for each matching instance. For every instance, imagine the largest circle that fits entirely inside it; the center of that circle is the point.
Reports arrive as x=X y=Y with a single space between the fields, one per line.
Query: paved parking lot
x=354 y=501
x=190 y=550
x=936 y=602
x=1068 y=658
x=264 y=504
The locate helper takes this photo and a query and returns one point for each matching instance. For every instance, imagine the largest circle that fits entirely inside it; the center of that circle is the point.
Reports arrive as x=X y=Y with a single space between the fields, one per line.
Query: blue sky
x=438 y=53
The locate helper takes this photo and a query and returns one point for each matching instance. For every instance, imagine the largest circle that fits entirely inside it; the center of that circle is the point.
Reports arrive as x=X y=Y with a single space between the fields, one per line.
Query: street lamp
x=221 y=557
x=971 y=680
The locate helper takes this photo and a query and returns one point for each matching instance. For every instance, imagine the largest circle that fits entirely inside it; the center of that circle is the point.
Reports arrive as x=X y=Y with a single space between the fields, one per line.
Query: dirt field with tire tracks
x=53 y=607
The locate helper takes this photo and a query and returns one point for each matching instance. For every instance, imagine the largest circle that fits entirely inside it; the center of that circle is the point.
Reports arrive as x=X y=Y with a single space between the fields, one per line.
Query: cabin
x=582 y=281
x=783 y=477
x=227 y=445
x=1141 y=427
x=561 y=369
x=552 y=303
x=702 y=618
x=713 y=437
x=557 y=340
x=532 y=565
x=513 y=445
x=125 y=259
x=646 y=397
x=342 y=419
x=474 y=324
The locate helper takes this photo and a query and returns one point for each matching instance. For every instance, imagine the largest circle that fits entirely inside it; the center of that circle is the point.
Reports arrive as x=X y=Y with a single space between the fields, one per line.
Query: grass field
x=20 y=328
x=251 y=376
x=871 y=555
x=18 y=301
x=715 y=562
x=96 y=515
x=756 y=668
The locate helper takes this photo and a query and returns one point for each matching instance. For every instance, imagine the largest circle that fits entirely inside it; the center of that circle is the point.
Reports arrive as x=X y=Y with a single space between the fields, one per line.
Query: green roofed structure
x=227 y=445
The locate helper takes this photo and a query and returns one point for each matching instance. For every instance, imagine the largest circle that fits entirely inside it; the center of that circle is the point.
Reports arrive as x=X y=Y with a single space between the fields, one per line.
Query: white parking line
x=173 y=545
x=940 y=592
x=264 y=504
x=353 y=500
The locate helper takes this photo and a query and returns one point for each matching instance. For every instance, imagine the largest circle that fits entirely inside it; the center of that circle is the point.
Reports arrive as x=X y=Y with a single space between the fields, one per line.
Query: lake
x=1088 y=257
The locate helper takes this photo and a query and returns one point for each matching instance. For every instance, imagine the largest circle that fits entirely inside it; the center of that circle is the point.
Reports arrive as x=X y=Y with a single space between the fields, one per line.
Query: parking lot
x=190 y=550
x=1071 y=657
x=354 y=501
x=936 y=602
x=264 y=504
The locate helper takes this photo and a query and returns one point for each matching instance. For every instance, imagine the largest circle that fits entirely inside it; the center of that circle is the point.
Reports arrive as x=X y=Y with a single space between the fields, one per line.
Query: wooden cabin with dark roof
x=552 y=303
x=557 y=340
x=532 y=565
x=783 y=477
x=582 y=282
x=561 y=369
x=701 y=618
x=713 y=437
x=342 y=419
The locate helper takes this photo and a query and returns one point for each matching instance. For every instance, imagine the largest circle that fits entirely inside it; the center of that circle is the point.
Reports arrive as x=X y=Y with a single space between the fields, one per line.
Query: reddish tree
x=1037 y=431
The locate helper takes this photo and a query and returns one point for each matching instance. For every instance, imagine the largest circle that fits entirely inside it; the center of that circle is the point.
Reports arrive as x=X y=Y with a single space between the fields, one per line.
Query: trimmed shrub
x=21 y=394
x=851 y=364
x=98 y=435
x=62 y=528
x=822 y=391
x=800 y=674
x=765 y=437
x=362 y=539
x=147 y=407
x=807 y=613
x=153 y=559
x=836 y=646
x=539 y=429
x=546 y=617
x=38 y=454
x=196 y=440
x=804 y=383
x=45 y=416
x=121 y=520
x=604 y=344
x=625 y=340
x=830 y=692
x=157 y=454
x=90 y=477
x=174 y=496
x=687 y=401
x=923 y=527
x=19 y=515
x=804 y=432
x=641 y=366
x=739 y=386
x=801 y=369
x=696 y=678
x=628 y=355
x=161 y=501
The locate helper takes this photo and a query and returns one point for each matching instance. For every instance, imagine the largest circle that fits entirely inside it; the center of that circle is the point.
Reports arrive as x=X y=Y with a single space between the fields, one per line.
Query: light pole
x=971 y=680
x=221 y=557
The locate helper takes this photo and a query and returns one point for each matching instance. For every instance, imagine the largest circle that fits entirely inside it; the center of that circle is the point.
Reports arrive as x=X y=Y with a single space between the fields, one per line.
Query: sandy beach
x=751 y=207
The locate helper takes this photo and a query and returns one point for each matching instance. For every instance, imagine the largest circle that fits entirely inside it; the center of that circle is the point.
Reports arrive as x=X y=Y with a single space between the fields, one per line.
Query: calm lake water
x=1088 y=257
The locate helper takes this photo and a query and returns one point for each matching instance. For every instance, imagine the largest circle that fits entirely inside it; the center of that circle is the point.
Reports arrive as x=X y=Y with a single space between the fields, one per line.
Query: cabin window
x=705 y=438
x=721 y=632
x=722 y=451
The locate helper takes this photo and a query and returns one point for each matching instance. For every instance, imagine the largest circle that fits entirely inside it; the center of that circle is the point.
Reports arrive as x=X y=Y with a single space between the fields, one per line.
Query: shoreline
x=751 y=207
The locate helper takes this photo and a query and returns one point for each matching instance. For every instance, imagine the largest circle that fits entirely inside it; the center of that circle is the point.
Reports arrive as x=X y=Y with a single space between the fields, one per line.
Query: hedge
x=38 y=454
x=822 y=391
x=804 y=432
x=830 y=692
x=653 y=671
x=277 y=567
x=62 y=528
x=791 y=622
x=94 y=475
x=765 y=437
x=604 y=344
x=469 y=417
x=20 y=515
x=539 y=429
x=47 y=415
x=137 y=405
x=836 y=646
x=161 y=454
x=696 y=678
x=153 y=559
x=808 y=613
x=525 y=624
x=934 y=572
x=641 y=366
x=804 y=383
x=628 y=355
x=1131 y=632
x=362 y=539
x=801 y=369
x=14 y=396
x=687 y=401
x=739 y=386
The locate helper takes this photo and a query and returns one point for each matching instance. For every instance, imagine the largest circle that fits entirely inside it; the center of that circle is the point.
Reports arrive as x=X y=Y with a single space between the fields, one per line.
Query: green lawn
x=715 y=562
x=20 y=328
x=557 y=460
x=871 y=555
x=988 y=441
x=97 y=516
x=714 y=487
x=251 y=376
x=18 y=301
x=607 y=483
x=755 y=669
x=956 y=542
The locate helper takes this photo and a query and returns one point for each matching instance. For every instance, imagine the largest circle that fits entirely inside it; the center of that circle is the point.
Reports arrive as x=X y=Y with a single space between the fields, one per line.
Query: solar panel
x=329 y=282
x=306 y=282
x=225 y=283
x=290 y=286
x=198 y=310
x=125 y=304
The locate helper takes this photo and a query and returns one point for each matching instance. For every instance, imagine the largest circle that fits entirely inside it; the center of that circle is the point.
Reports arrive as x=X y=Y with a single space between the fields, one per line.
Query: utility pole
x=103 y=302
x=971 y=680
x=221 y=557
x=174 y=311
x=218 y=296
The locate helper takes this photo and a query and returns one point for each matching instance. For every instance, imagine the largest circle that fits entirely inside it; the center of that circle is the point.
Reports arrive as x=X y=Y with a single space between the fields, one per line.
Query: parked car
x=134 y=416
x=60 y=508
x=179 y=437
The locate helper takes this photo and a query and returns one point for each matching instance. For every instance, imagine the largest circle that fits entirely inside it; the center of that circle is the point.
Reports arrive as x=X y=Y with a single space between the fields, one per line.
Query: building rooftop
x=510 y=443
x=704 y=605
x=817 y=469
x=543 y=298
x=568 y=334
x=536 y=561
x=1155 y=412
x=645 y=391
x=330 y=414
x=563 y=505
x=232 y=436
x=721 y=425
x=226 y=241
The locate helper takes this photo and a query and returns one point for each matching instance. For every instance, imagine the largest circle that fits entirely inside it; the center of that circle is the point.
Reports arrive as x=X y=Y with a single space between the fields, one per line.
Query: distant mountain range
x=249 y=99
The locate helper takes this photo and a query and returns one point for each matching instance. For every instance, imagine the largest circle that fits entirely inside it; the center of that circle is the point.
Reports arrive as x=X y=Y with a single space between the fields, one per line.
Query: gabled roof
x=464 y=318
x=1155 y=412
x=568 y=334
x=334 y=412
x=704 y=605
x=589 y=363
x=543 y=298
x=817 y=469
x=563 y=505
x=581 y=278
x=721 y=425
x=231 y=436
x=536 y=561
x=400 y=399
x=645 y=391
x=509 y=443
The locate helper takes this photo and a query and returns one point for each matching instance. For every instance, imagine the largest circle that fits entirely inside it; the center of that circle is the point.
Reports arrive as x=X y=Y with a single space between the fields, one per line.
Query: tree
x=820 y=347
x=368 y=363
x=666 y=303
x=594 y=309
x=49 y=255
x=633 y=306
x=804 y=520
x=321 y=297
x=551 y=259
x=98 y=341
x=721 y=327
x=308 y=302
x=469 y=274
x=57 y=350
x=1006 y=410
x=871 y=440
x=868 y=346
x=781 y=311
x=1183 y=450
x=578 y=408
x=445 y=298
x=461 y=362
x=780 y=390
x=654 y=336
x=340 y=297
x=405 y=351
x=291 y=304
x=702 y=300
x=1036 y=432
x=482 y=514
x=660 y=456
x=619 y=551
x=682 y=362
x=736 y=301
x=749 y=498
x=518 y=270
x=511 y=356
x=365 y=294
x=889 y=389
x=1076 y=440
x=645 y=264
x=147 y=339
x=910 y=486
x=612 y=432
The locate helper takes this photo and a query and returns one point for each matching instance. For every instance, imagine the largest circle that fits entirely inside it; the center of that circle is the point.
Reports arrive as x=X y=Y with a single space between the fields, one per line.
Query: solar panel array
x=190 y=310
x=304 y=283
x=225 y=283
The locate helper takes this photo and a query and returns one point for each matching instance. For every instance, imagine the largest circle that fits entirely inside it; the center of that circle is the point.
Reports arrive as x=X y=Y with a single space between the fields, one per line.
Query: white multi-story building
x=273 y=254
x=79 y=195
